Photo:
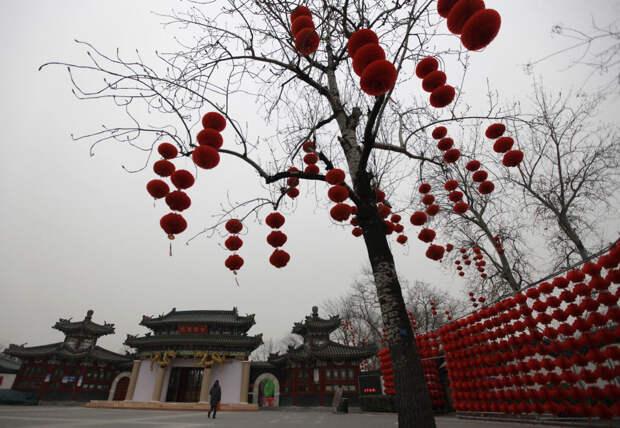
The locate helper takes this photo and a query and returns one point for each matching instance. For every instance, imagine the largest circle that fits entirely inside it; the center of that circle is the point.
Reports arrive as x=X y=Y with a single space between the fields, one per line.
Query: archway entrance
x=118 y=390
x=266 y=391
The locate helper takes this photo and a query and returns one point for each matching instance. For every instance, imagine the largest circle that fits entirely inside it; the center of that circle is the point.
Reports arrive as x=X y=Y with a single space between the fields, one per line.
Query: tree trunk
x=412 y=397
x=572 y=235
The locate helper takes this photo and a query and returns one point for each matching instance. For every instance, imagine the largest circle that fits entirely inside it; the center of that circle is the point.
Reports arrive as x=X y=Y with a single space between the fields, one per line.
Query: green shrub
x=378 y=403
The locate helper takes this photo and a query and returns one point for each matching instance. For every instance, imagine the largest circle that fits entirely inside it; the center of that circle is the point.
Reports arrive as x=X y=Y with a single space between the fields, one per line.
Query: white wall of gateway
x=6 y=380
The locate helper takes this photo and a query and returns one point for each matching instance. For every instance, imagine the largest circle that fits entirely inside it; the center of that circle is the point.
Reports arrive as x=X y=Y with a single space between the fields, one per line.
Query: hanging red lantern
x=428 y=199
x=276 y=238
x=486 y=187
x=379 y=195
x=233 y=243
x=308 y=147
x=418 y=218
x=206 y=157
x=234 y=262
x=275 y=220
x=455 y=196
x=366 y=55
x=340 y=212
x=512 y=158
x=389 y=227
x=439 y=132
x=452 y=155
x=434 y=80
x=157 y=188
x=435 y=252
x=167 y=150
x=495 y=130
x=292 y=181
x=480 y=29
x=233 y=226
x=445 y=144
x=338 y=193
x=472 y=165
x=214 y=120
x=357 y=231
x=449 y=247
x=398 y=228
x=182 y=179
x=378 y=77
x=301 y=23
x=401 y=239
x=163 y=168
x=359 y=39
x=424 y=188
x=311 y=158
x=279 y=258
x=292 y=192
x=173 y=224
x=479 y=176
x=335 y=176
x=442 y=96
x=426 y=66
x=432 y=209
x=312 y=169
x=395 y=218
x=426 y=235
x=307 y=41
x=445 y=6
x=461 y=12
x=503 y=144
x=300 y=11
x=210 y=137
x=451 y=185
x=178 y=200
x=460 y=207
x=591 y=269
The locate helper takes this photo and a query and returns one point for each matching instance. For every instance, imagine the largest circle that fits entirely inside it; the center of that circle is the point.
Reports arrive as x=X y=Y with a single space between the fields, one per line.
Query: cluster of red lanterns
x=387 y=374
x=177 y=200
x=446 y=144
x=339 y=193
x=419 y=218
x=434 y=81
x=303 y=29
x=377 y=74
x=310 y=158
x=233 y=243
x=525 y=355
x=292 y=182
x=460 y=207
x=474 y=302
x=477 y=25
x=279 y=258
x=428 y=349
x=210 y=140
x=503 y=144
x=498 y=245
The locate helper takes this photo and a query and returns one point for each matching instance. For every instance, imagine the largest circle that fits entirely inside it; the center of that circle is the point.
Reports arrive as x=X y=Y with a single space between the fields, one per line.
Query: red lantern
x=173 y=224
x=442 y=96
x=379 y=195
x=480 y=29
x=366 y=55
x=445 y=6
x=311 y=158
x=424 y=188
x=182 y=179
x=435 y=252
x=275 y=220
x=234 y=262
x=206 y=157
x=383 y=210
x=455 y=196
x=432 y=209
x=512 y=158
x=434 y=80
x=395 y=218
x=279 y=258
x=214 y=120
x=210 y=137
x=495 y=131
x=418 y=218
x=426 y=66
x=233 y=243
x=335 y=176
x=234 y=226
x=439 y=132
x=157 y=188
x=307 y=41
x=276 y=239
x=300 y=23
x=428 y=199
x=163 y=168
x=308 y=147
x=292 y=192
x=445 y=144
x=312 y=169
x=591 y=269
x=178 y=200
x=300 y=11
x=451 y=185
x=426 y=235
x=340 y=212
x=359 y=39
x=472 y=165
x=460 y=207
x=398 y=228
x=401 y=239
x=479 y=176
x=461 y=12
x=378 y=78
x=486 y=187
x=338 y=193
x=503 y=144
x=167 y=151
x=357 y=231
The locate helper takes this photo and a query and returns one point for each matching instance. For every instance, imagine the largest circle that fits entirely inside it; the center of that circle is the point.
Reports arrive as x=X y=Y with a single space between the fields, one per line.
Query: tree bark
x=572 y=235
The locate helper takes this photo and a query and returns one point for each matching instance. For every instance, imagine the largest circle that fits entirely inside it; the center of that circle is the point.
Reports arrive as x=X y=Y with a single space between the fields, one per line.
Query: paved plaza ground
x=70 y=417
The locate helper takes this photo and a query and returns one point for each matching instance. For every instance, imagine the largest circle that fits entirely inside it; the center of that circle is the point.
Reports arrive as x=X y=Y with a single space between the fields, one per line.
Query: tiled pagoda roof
x=85 y=327
x=223 y=318
x=62 y=351
x=315 y=324
x=198 y=342
x=330 y=351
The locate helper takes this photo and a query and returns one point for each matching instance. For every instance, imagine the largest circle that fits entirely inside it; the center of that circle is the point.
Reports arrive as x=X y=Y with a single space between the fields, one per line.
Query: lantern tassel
x=170 y=250
x=236 y=281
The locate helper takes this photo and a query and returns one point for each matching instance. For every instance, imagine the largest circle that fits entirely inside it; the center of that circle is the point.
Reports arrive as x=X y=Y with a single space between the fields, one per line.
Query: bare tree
x=569 y=173
x=246 y=50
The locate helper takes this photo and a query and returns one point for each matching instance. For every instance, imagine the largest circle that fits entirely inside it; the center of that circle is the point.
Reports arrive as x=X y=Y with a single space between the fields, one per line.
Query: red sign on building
x=193 y=329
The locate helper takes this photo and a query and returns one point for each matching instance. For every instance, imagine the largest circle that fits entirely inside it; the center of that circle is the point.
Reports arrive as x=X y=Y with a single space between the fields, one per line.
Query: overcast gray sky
x=79 y=233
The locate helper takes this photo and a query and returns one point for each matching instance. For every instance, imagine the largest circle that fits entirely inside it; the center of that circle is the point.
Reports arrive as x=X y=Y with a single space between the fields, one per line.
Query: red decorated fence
x=551 y=349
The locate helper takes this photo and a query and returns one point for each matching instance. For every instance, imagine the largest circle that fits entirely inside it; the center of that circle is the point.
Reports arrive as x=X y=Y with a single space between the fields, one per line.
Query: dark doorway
x=121 y=389
x=184 y=384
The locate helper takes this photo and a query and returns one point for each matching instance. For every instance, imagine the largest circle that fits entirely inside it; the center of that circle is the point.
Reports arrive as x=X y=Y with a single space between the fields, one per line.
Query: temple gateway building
x=186 y=351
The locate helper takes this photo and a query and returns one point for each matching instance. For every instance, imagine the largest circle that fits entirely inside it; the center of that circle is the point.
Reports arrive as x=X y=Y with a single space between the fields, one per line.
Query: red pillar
x=76 y=388
x=321 y=384
x=294 y=395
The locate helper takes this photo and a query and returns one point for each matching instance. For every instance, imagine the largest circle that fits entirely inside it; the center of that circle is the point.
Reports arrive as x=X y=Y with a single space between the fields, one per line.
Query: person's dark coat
x=215 y=393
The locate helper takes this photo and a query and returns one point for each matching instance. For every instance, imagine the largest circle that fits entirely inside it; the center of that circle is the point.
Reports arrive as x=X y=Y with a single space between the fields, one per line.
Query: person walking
x=216 y=396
